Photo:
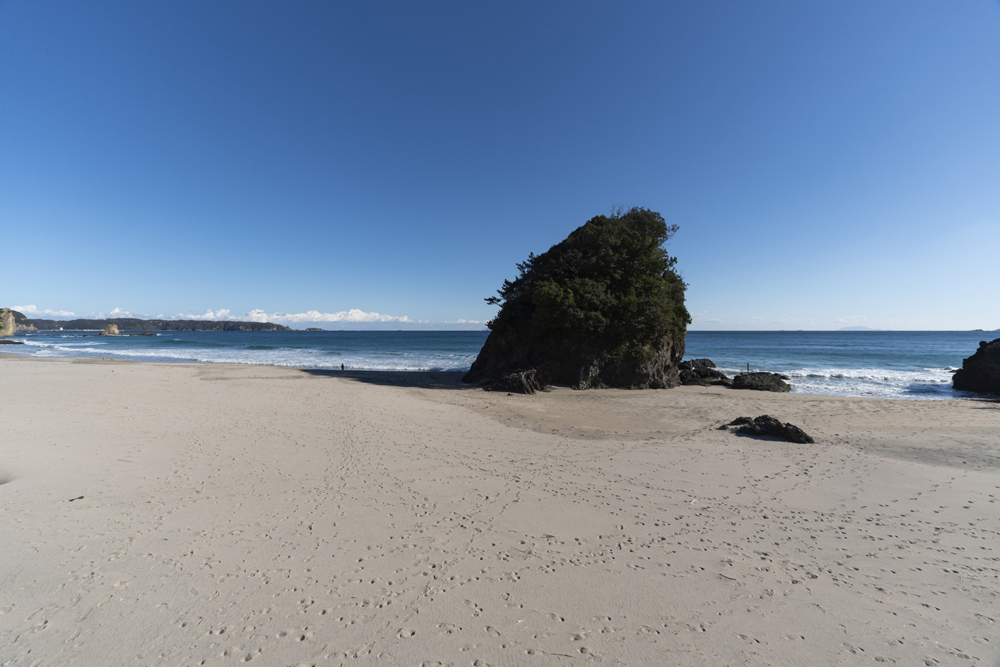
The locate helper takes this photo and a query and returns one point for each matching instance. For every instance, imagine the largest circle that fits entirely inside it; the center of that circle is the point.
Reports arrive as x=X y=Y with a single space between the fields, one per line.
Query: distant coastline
x=135 y=324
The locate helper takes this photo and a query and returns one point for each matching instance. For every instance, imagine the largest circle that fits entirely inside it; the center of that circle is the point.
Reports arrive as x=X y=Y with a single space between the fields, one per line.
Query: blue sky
x=829 y=164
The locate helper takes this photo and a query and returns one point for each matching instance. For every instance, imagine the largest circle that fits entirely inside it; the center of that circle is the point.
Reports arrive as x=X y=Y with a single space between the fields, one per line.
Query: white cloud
x=31 y=309
x=352 y=315
x=463 y=321
x=212 y=315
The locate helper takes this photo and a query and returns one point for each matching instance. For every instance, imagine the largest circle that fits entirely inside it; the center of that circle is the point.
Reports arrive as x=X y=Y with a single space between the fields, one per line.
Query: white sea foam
x=279 y=356
x=923 y=383
x=394 y=355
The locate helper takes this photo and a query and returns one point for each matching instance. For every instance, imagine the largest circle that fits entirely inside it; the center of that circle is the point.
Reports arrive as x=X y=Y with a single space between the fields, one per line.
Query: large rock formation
x=110 y=330
x=981 y=371
x=7 y=325
x=603 y=308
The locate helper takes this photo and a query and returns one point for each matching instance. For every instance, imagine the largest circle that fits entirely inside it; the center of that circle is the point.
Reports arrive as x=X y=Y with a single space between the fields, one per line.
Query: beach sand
x=175 y=514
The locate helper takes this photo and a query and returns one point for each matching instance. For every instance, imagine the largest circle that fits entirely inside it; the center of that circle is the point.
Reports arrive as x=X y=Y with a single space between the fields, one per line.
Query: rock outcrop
x=702 y=372
x=602 y=308
x=21 y=323
x=761 y=382
x=769 y=426
x=7 y=325
x=110 y=330
x=981 y=371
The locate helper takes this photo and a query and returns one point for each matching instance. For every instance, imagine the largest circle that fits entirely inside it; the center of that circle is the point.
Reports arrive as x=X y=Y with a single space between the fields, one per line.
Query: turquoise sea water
x=893 y=364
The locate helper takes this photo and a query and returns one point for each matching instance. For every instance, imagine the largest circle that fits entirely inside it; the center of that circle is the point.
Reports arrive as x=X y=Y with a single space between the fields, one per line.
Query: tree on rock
x=603 y=308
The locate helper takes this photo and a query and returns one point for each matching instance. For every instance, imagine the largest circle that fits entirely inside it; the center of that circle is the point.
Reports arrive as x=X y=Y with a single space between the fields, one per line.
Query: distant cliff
x=21 y=322
x=135 y=324
x=7 y=327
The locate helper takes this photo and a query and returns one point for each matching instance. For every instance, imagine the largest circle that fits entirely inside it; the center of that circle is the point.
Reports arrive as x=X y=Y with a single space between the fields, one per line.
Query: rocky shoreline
x=702 y=372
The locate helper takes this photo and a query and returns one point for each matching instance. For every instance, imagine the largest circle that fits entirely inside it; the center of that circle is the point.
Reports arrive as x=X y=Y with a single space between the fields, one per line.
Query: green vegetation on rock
x=605 y=307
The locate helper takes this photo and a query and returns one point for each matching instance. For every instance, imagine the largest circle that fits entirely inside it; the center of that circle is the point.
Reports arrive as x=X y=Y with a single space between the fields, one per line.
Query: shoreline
x=174 y=513
x=905 y=365
x=443 y=377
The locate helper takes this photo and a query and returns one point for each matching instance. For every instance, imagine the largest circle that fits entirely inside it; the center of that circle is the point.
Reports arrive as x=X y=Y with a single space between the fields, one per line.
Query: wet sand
x=180 y=514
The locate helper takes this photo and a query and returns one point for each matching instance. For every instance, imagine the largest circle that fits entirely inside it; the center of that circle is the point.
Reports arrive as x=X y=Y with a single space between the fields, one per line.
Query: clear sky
x=829 y=163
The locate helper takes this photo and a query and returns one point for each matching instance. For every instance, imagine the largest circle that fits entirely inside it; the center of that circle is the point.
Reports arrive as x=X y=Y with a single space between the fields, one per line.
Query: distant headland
x=136 y=324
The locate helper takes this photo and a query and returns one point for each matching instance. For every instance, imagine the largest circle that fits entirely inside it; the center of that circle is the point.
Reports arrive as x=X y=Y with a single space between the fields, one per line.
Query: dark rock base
x=518 y=382
x=567 y=365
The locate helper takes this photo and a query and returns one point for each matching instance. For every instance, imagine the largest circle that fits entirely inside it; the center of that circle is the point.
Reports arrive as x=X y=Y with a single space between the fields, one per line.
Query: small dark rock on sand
x=767 y=425
x=518 y=382
x=761 y=382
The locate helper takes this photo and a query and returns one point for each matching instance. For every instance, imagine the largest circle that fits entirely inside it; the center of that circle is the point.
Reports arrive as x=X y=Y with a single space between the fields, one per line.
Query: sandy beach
x=182 y=514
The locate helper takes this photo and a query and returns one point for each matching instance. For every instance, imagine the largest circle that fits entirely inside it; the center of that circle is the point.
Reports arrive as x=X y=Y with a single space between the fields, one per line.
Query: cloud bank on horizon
x=351 y=316
x=31 y=309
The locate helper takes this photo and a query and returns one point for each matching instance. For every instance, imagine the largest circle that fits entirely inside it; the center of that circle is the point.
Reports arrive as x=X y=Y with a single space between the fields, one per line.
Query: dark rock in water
x=695 y=364
x=981 y=371
x=767 y=425
x=689 y=377
x=702 y=372
x=11 y=342
x=518 y=382
x=602 y=308
x=760 y=382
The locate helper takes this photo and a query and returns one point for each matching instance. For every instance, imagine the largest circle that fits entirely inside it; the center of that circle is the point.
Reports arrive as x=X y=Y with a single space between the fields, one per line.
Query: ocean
x=885 y=364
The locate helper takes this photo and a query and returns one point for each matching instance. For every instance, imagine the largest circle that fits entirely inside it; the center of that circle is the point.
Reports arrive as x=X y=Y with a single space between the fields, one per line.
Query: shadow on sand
x=988 y=403
x=417 y=379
